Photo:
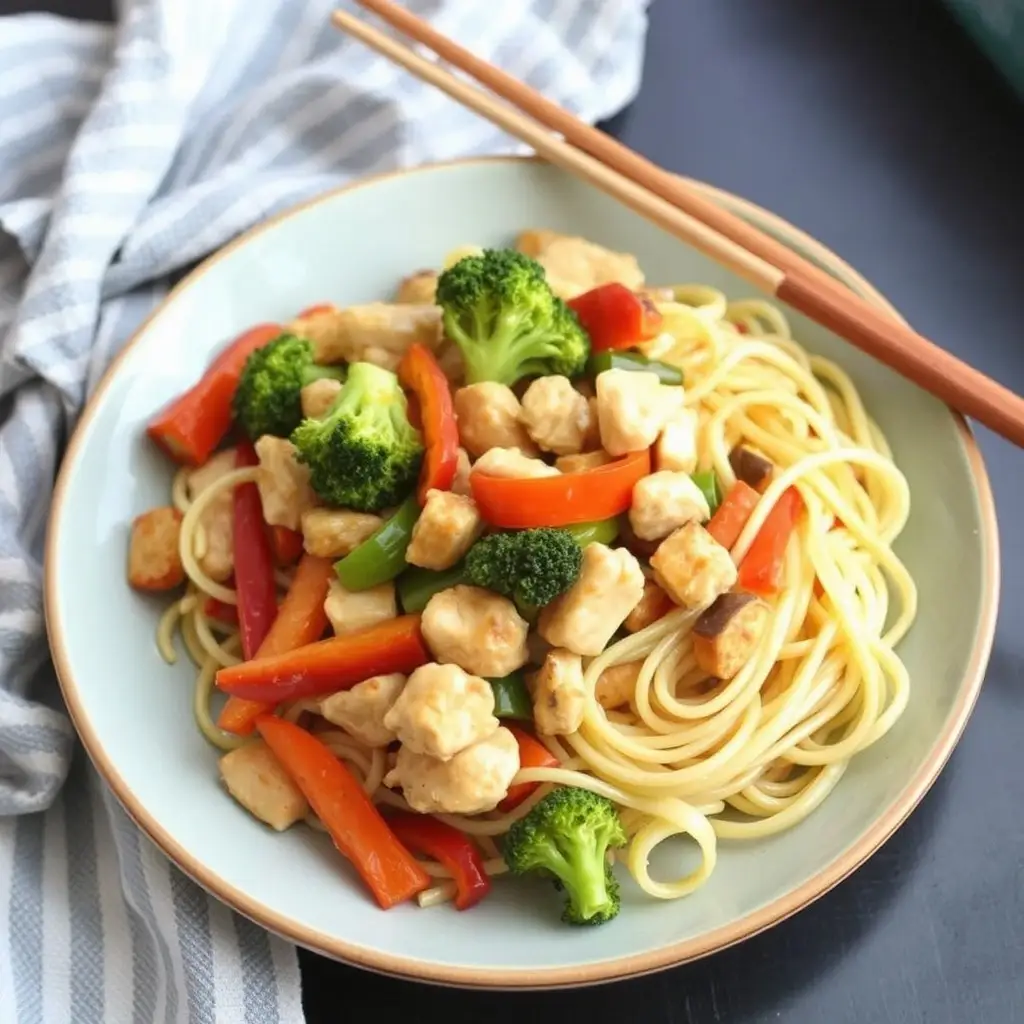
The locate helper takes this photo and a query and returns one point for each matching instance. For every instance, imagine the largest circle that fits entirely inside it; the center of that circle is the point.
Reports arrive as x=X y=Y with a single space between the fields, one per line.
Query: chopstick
x=666 y=201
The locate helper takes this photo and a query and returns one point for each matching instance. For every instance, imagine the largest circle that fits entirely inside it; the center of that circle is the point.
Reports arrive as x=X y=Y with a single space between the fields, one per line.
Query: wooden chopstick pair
x=671 y=204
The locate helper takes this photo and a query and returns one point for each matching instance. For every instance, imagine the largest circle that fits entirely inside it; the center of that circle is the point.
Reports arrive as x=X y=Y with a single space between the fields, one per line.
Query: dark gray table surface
x=875 y=127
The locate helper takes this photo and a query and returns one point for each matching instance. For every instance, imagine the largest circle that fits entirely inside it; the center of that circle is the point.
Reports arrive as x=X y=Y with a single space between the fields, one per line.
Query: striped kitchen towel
x=126 y=154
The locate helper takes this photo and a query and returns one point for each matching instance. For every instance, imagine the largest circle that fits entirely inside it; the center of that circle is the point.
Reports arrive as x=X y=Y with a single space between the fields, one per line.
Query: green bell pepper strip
x=511 y=698
x=707 y=481
x=618 y=360
x=381 y=557
x=417 y=586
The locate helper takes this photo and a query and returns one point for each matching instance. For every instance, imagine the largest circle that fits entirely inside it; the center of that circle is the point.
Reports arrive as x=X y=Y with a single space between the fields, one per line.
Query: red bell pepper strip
x=225 y=613
x=760 y=571
x=286 y=545
x=450 y=848
x=731 y=516
x=330 y=665
x=301 y=620
x=254 y=563
x=359 y=832
x=532 y=754
x=585 y=497
x=420 y=373
x=615 y=317
x=195 y=423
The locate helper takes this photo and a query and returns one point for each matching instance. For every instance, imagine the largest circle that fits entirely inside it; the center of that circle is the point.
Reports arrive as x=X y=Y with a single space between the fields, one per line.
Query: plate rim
x=599 y=971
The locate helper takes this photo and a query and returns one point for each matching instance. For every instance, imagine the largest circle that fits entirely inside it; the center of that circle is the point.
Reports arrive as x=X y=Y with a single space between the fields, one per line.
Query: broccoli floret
x=364 y=454
x=499 y=309
x=567 y=835
x=531 y=566
x=268 y=398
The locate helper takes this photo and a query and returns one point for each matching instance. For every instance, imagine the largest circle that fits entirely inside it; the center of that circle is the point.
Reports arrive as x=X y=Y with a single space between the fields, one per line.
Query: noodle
x=742 y=759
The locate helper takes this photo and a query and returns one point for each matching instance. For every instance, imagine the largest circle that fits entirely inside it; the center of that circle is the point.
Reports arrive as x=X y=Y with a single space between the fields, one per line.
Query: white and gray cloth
x=126 y=154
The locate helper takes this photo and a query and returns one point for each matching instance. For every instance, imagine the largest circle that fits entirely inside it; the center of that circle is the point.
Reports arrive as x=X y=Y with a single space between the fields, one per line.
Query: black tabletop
x=873 y=125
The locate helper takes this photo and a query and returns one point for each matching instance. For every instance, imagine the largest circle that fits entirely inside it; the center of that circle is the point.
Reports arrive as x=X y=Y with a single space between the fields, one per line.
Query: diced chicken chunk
x=217 y=556
x=574 y=265
x=479 y=631
x=417 y=289
x=318 y=397
x=692 y=567
x=334 y=532
x=154 y=561
x=726 y=634
x=488 y=416
x=445 y=530
x=676 y=448
x=361 y=710
x=581 y=463
x=652 y=606
x=377 y=333
x=664 y=501
x=584 y=618
x=441 y=711
x=474 y=781
x=559 y=695
x=283 y=482
x=352 y=610
x=556 y=415
x=511 y=462
x=460 y=485
x=616 y=685
x=632 y=408
x=255 y=778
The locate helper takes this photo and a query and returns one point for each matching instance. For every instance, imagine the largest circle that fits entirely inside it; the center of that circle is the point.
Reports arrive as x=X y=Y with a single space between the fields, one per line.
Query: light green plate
x=133 y=712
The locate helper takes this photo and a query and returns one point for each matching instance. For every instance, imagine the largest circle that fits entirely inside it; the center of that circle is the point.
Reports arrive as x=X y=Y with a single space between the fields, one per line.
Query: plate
x=133 y=712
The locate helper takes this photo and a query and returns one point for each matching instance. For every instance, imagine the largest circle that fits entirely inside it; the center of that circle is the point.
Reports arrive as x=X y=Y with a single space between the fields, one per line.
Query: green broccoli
x=268 y=398
x=567 y=835
x=364 y=454
x=500 y=311
x=531 y=566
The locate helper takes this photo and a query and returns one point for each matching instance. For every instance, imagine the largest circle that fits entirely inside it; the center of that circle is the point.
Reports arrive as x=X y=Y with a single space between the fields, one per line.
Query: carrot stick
x=330 y=665
x=359 y=832
x=300 y=621
x=532 y=754
x=760 y=572
x=731 y=516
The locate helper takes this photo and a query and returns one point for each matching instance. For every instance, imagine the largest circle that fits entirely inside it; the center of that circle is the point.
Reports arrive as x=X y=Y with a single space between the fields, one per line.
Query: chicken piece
x=318 y=397
x=556 y=415
x=459 y=253
x=632 y=408
x=664 y=501
x=559 y=695
x=584 y=618
x=255 y=778
x=460 y=485
x=727 y=632
x=361 y=711
x=417 y=289
x=445 y=530
x=449 y=358
x=581 y=463
x=334 y=532
x=616 y=685
x=474 y=781
x=652 y=606
x=352 y=610
x=511 y=462
x=441 y=711
x=676 y=447
x=575 y=265
x=479 y=631
x=154 y=561
x=217 y=558
x=692 y=567
x=377 y=333
x=283 y=482
x=488 y=416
